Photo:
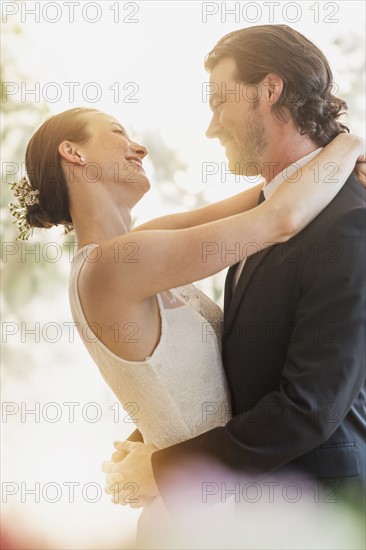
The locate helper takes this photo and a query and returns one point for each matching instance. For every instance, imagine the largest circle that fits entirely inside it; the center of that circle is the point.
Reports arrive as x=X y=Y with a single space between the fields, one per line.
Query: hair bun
x=36 y=217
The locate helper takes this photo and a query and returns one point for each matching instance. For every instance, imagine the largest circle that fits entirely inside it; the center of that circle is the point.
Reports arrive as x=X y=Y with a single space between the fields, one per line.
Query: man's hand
x=130 y=476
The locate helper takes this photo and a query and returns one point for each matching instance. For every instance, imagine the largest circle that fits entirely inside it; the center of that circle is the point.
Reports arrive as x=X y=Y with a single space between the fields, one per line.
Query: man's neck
x=289 y=150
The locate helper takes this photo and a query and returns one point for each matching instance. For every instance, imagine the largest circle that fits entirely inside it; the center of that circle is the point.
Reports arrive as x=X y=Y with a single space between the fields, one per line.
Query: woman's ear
x=68 y=152
x=273 y=86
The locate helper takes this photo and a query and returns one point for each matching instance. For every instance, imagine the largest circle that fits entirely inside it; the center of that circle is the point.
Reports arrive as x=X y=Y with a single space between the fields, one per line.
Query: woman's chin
x=146 y=182
x=140 y=181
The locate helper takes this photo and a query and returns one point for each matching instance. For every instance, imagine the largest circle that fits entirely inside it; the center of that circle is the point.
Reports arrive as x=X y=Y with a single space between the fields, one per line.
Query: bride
x=153 y=335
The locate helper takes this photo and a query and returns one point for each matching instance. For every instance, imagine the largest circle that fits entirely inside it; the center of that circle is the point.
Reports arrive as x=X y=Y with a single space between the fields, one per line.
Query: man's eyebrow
x=212 y=98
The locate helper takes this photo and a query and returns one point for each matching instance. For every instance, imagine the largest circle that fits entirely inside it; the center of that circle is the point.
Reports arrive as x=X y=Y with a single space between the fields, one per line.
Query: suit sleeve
x=322 y=376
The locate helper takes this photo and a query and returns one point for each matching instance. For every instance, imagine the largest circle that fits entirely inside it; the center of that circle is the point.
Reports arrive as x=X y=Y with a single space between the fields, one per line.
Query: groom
x=294 y=314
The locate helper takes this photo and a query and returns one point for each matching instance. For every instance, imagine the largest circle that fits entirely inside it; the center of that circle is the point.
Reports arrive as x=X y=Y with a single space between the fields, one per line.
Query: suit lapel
x=232 y=302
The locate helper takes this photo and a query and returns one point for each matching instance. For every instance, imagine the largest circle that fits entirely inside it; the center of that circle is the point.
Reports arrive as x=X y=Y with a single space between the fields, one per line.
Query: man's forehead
x=224 y=71
x=222 y=80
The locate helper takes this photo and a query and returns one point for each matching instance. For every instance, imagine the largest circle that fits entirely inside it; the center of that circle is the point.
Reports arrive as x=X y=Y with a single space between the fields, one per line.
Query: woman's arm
x=316 y=186
x=241 y=202
x=360 y=170
x=228 y=207
x=166 y=259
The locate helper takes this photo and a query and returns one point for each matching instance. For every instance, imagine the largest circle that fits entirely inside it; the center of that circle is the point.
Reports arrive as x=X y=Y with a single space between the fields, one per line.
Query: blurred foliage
x=20 y=280
x=351 y=48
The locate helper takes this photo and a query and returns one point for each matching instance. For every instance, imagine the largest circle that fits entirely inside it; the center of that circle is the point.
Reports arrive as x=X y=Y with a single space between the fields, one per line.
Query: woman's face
x=111 y=157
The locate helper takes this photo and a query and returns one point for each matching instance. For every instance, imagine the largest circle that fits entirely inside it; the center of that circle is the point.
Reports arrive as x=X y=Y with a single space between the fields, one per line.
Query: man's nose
x=213 y=128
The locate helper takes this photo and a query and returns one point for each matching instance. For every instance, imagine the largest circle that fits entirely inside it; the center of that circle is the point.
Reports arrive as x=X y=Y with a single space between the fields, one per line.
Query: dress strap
x=160 y=302
x=83 y=253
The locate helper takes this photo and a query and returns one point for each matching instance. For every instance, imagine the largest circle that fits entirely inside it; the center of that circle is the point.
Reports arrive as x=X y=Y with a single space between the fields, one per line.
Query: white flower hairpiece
x=26 y=197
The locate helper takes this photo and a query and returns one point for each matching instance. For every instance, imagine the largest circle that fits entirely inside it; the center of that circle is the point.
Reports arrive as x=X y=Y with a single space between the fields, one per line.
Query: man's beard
x=253 y=142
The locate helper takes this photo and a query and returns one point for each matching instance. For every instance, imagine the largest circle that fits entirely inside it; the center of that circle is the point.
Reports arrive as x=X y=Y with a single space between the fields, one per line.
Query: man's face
x=238 y=119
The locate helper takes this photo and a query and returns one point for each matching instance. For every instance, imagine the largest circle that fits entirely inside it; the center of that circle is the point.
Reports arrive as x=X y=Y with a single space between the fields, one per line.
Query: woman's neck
x=101 y=227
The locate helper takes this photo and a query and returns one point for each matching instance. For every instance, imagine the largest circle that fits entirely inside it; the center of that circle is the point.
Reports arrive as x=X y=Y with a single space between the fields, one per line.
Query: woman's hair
x=306 y=74
x=44 y=168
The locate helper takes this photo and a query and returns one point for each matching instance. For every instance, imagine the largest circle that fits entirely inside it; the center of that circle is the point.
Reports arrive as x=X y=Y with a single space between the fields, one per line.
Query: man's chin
x=235 y=163
x=242 y=168
x=234 y=167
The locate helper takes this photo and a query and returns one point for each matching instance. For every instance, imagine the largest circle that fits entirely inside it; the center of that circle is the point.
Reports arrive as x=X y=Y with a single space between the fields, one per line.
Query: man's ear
x=273 y=85
x=68 y=152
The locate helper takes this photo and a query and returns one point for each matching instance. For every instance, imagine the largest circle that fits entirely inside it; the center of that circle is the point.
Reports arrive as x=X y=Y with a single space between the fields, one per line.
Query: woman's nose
x=141 y=150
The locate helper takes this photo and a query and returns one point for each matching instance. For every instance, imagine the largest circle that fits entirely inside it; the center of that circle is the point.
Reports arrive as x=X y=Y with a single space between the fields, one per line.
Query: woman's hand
x=360 y=170
x=360 y=167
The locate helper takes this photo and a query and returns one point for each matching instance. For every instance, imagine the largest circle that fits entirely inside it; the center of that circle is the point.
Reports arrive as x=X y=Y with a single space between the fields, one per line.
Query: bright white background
x=162 y=55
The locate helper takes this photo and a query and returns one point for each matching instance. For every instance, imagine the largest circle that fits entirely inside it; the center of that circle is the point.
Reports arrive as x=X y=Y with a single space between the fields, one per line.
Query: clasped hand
x=129 y=474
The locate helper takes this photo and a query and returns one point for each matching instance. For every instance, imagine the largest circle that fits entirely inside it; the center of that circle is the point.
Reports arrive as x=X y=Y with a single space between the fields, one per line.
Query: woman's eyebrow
x=120 y=127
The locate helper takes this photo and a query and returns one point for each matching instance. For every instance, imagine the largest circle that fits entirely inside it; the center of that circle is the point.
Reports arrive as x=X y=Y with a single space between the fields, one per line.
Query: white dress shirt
x=269 y=188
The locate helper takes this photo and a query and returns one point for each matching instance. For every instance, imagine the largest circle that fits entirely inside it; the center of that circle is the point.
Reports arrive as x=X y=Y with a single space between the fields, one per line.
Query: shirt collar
x=287 y=173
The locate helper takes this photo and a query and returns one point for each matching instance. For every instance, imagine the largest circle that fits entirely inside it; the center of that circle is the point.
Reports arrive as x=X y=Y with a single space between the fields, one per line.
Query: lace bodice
x=180 y=390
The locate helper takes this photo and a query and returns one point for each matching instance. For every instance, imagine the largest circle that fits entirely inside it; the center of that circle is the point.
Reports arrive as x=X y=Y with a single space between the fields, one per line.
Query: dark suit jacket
x=294 y=357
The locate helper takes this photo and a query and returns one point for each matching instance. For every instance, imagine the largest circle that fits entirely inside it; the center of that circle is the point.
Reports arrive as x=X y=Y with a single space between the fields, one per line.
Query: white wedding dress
x=180 y=391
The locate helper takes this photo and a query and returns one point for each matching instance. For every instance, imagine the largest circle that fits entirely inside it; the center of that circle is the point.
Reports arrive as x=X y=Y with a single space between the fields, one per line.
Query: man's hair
x=306 y=74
